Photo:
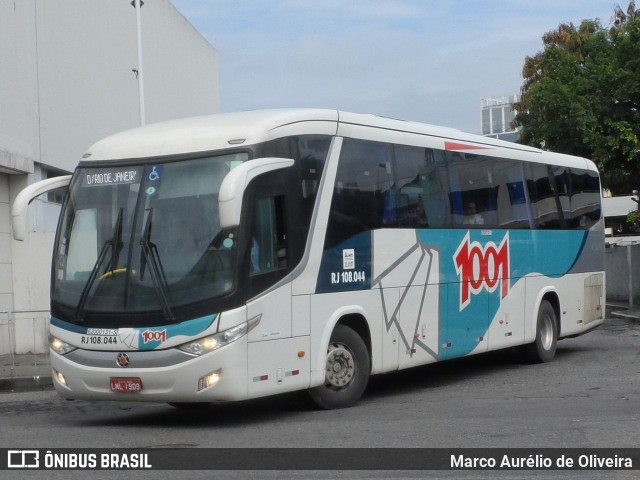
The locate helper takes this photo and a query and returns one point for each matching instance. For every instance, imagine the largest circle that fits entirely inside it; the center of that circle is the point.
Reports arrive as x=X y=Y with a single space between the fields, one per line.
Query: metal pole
x=137 y=6
x=630 y=270
x=12 y=343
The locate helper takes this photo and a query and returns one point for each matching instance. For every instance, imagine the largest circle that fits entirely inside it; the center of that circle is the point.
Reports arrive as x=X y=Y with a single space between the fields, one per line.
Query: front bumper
x=166 y=375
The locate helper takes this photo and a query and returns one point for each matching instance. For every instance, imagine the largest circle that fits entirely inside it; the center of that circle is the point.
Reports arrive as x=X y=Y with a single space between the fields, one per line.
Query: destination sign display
x=111 y=176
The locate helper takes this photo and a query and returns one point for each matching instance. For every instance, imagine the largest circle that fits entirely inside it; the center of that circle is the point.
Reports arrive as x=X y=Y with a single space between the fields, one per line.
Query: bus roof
x=206 y=133
x=225 y=130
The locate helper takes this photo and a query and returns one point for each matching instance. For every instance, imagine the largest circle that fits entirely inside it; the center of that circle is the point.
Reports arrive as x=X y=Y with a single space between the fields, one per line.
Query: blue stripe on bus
x=189 y=328
x=466 y=313
x=545 y=252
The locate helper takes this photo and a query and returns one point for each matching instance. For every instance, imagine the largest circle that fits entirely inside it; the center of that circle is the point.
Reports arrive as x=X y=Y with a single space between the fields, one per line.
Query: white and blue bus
x=241 y=255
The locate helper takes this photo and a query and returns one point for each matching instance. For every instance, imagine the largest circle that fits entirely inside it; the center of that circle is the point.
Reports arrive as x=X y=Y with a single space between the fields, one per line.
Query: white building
x=497 y=115
x=68 y=78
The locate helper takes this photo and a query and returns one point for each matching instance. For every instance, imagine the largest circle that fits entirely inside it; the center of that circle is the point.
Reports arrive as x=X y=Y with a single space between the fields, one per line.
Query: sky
x=430 y=61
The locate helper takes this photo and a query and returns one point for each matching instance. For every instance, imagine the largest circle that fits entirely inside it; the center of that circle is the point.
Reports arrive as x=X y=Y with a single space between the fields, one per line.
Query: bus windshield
x=144 y=238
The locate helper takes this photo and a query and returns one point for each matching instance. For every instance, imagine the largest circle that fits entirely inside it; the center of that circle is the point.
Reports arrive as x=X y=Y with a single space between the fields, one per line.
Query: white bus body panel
x=408 y=307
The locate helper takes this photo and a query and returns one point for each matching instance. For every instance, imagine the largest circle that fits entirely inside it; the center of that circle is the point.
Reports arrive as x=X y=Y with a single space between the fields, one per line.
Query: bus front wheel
x=347 y=371
x=544 y=348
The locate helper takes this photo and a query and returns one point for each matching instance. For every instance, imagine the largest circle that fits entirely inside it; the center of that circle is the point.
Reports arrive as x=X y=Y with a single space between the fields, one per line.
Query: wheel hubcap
x=340 y=367
x=546 y=332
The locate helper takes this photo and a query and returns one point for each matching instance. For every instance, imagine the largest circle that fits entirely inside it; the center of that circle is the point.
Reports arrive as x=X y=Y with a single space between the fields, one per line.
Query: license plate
x=126 y=385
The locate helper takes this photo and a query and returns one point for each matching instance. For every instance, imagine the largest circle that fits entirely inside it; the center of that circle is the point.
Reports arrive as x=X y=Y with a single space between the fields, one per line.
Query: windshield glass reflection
x=144 y=238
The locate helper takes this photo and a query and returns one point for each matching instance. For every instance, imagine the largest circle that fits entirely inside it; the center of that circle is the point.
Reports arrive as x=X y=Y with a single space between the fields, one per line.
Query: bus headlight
x=59 y=346
x=213 y=342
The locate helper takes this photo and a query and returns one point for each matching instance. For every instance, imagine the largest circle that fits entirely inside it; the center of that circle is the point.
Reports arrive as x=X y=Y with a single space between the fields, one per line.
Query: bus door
x=278 y=361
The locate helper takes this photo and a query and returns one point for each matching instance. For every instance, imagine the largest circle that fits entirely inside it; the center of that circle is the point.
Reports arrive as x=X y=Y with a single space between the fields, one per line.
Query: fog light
x=209 y=380
x=60 y=378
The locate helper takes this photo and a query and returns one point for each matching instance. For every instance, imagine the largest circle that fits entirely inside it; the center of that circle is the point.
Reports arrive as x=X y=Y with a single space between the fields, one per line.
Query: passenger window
x=487 y=192
x=422 y=185
x=546 y=196
x=585 y=198
x=364 y=193
x=474 y=191
x=380 y=185
x=509 y=196
x=268 y=239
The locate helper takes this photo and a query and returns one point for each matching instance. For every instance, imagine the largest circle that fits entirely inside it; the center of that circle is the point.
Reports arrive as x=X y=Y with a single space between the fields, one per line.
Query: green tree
x=581 y=96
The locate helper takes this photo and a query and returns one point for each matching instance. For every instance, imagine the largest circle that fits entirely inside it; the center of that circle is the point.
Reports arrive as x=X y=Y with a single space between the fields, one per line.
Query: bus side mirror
x=235 y=183
x=26 y=196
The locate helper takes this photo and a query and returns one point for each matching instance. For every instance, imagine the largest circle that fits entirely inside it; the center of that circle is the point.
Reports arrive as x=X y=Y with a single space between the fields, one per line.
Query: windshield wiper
x=149 y=254
x=115 y=242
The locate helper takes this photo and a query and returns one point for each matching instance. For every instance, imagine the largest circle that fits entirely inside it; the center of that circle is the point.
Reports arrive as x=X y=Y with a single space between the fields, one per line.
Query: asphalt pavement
x=19 y=373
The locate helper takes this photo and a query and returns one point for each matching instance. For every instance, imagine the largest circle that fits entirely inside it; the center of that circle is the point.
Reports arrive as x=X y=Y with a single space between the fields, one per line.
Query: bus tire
x=544 y=348
x=347 y=370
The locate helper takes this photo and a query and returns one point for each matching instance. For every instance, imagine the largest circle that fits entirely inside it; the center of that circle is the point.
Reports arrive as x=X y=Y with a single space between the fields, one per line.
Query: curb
x=623 y=310
x=633 y=316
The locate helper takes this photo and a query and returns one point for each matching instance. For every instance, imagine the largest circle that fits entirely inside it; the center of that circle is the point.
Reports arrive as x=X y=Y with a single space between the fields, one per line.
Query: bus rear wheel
x=347 y=371
x=544 y=348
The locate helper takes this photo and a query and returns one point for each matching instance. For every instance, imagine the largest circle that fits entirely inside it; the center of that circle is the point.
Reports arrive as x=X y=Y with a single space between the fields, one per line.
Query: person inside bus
x=416 y=216
x=255 y=256
x=472 y=217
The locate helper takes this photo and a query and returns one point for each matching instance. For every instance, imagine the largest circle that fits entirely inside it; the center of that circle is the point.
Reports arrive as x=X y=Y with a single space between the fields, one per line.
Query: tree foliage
x=581 y=95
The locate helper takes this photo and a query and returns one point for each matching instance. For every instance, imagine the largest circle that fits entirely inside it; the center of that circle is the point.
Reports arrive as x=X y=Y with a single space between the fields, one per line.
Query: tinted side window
x=547 y=196
x=512 y=210
x=422 y=186
x=428 y=188
x=310 y=153
x=486 y=192
x=585 y=198
x=364 y=196
x=301 y=182
x=268 y=238
x=563 y=198
x=474 y=192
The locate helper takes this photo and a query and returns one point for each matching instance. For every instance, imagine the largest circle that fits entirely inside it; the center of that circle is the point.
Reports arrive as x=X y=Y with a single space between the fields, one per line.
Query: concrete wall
x=66 y=81
x=620 y=263
x=86 y=53
x=6 y=287
x=19 y=144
